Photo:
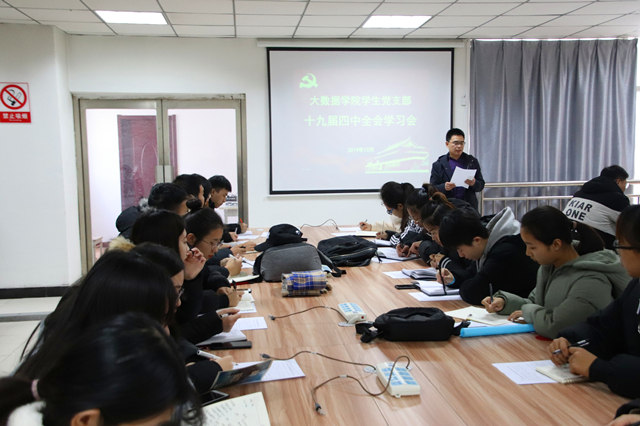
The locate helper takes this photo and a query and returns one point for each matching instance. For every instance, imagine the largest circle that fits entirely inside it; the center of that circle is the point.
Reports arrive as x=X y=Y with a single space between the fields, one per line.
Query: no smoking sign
x=14 y=103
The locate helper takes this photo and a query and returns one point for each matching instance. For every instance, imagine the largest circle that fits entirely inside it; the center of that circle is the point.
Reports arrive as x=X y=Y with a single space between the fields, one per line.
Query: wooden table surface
x=459 y=386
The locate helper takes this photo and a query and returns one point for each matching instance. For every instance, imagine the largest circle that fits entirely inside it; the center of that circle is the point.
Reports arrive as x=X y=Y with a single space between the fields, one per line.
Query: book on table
x=421 y=274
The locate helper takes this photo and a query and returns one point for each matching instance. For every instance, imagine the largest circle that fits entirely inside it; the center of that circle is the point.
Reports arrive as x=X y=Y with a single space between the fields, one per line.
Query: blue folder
x=496 y=330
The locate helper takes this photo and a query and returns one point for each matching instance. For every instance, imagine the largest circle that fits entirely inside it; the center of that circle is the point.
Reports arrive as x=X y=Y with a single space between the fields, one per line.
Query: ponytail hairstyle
x=119 y=282
x=191 y=184
x=628 y=226
x=202 y=222
x=548 y=224
x=127 y=367
x=421 y=196
x=435 y=209
x=161 y=227
x=394 y=193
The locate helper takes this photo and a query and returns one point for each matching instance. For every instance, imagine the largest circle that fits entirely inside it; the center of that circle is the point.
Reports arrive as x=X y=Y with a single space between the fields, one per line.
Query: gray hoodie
x=503 y=224
x=569 y=294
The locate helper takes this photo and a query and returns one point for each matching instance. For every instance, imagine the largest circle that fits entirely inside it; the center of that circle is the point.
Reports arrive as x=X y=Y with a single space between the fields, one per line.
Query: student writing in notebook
x=122 y=371
x=497 y=251
x=168 y=229
x=613 y=353
x=394 y=198
x=438 y=256
x=120 y=282
x=412 y=238
x=204 y=231
x=393 y=225
x=573 y=281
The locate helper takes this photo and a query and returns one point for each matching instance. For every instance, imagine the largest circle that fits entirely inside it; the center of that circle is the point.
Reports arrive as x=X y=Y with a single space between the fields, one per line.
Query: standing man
x=442 y=170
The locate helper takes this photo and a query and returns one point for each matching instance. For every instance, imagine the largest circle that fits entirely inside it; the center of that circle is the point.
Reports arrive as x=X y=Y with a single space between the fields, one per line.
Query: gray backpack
x=289 y=258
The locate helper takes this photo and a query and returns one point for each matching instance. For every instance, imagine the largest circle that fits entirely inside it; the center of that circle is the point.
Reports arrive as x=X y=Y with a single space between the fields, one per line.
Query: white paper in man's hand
x=460 y=175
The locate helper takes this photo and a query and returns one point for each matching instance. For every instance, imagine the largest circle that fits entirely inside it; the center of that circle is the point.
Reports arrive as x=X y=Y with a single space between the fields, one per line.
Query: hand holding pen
x=559 y=351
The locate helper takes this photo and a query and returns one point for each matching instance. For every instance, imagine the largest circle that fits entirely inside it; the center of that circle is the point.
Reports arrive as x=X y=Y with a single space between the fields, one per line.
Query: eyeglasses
x=617 y=246
x=457 y=143
x=213 y=245
x=180 y=292
x=432 y=233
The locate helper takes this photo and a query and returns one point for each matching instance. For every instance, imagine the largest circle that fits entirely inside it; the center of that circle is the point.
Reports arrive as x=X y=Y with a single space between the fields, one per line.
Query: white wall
x=40 y=243
x=162 y=65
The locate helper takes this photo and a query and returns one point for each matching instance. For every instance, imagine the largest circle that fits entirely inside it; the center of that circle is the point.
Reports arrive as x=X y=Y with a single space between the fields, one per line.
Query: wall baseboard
x=21 y=293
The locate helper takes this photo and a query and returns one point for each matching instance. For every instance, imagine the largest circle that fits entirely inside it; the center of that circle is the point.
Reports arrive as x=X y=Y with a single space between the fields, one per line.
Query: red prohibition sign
x=5 y=92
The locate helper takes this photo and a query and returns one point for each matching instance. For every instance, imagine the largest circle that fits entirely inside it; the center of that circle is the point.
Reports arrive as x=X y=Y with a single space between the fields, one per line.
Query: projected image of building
x=403 y=156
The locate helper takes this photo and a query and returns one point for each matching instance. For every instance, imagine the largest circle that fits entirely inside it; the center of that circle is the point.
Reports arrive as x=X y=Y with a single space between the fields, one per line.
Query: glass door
x=205 y=137
x=121 y=148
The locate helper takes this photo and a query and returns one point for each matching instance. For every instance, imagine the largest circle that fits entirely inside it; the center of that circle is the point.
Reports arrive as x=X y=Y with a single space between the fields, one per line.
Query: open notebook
x=561 y=374
x=248 y=410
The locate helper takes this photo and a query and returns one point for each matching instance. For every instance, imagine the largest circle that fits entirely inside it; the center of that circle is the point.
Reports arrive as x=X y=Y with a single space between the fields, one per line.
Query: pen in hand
x=491 y=292
x=581 y=344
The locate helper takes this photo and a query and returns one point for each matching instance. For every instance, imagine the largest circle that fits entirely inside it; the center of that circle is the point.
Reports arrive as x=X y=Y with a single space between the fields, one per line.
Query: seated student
x=168 y=229
x=193 y=185
x=573 y=282
x=394 y=196
x=387 y=228
x=443 y=169
x=599 y=202
x=204 y=232
x=121 y=282
x=412 y=238
x=431 y=215
x=498 y=251
x=125 y=370
x=613 y=353
x=163 y=196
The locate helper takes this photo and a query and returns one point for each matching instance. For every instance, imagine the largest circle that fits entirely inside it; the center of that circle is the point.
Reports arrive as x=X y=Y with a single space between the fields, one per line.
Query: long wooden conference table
x=459 y=385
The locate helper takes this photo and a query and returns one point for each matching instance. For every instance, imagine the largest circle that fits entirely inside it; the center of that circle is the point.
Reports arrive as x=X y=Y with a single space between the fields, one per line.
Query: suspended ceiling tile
x=495 y=32
x=44 y=15
x=197 y=6
x=148 y=30
x=265 y=31
x=268 y=20
x=48 y=4
x=478 y=9
x=439 y=32
x=17 y=21
x=318 y=8
x=424 y=1
x=602 y=31
x=199 y=19
x=609 y=8
x=551 y=32
x=377 y=32
x=11 y=13
x=124 y=5
x=333 y=21
x=269 y=7
x=428 y=9
x=551 y=8
x=578 y=20
x=82 y=28
x=319 y=31
x=624 y=20
x=204 y=31
x=456 y=21
x=518 y=21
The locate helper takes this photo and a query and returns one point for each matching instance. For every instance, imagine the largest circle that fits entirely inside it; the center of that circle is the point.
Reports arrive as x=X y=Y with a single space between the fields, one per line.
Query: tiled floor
x=14 y=334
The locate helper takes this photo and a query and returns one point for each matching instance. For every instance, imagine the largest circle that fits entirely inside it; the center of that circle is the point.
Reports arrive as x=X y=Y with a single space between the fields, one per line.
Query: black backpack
x=411 y=324
x=348 y=251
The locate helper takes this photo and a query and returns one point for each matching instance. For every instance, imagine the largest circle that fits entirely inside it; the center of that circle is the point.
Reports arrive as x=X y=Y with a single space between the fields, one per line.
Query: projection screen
x=349 y=120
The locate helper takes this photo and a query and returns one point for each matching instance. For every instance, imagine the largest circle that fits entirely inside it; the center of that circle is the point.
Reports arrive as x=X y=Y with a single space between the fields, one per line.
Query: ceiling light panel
x=395 y=21
x=146 y=18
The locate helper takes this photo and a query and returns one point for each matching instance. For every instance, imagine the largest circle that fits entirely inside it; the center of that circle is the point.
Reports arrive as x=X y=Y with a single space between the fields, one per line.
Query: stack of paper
x=391 y=254
x=232 y=336
x=420 y=274
x=480 y=315
x=280 y=370
x=382 y=243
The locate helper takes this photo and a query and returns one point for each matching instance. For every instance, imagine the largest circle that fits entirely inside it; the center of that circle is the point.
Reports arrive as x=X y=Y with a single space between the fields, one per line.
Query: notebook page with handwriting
x=248 y=410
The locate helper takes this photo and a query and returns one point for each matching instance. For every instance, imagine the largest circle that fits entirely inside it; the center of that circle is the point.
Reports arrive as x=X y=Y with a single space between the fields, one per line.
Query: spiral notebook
x=561 y=374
